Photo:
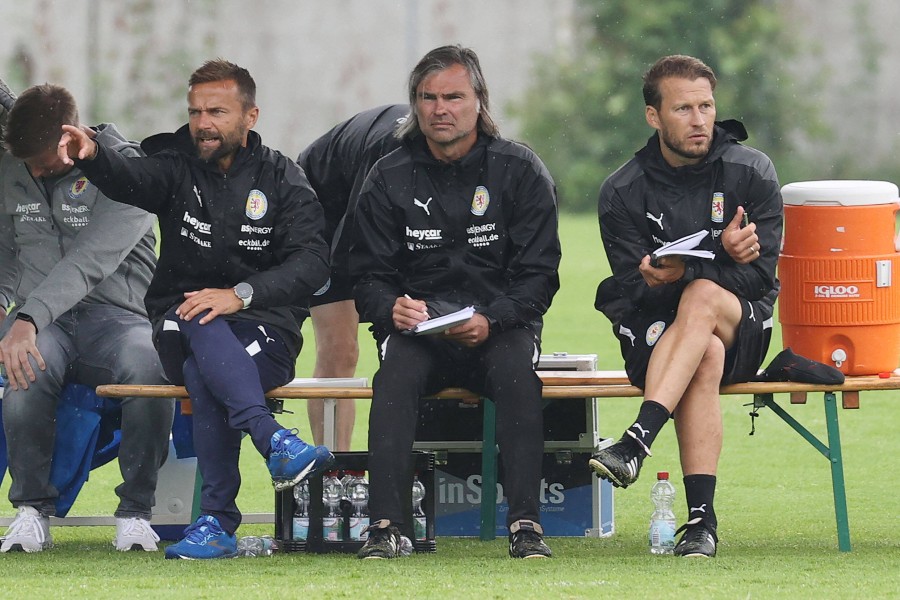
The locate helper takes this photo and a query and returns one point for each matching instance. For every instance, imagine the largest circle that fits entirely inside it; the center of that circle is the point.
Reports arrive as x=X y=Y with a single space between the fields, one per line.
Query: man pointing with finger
x=241 y=252
x=687 y=326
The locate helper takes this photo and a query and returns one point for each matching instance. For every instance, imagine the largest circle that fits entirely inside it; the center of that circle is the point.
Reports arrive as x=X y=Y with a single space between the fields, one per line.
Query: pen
x=424 y=312
x=746 y=219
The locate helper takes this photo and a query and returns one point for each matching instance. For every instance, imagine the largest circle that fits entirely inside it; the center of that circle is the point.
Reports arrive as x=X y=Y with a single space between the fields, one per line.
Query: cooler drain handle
x=838 y=357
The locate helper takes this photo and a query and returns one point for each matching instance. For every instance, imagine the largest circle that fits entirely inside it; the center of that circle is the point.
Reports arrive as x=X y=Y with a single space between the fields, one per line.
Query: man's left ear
x=252 y=116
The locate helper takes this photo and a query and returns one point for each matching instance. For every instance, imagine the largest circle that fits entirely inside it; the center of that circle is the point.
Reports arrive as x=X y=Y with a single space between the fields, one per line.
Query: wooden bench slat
x=557 y=384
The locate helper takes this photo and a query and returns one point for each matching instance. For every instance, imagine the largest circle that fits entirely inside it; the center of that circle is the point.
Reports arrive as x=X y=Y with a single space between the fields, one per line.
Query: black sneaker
x=526 y=540
x=383 y=541
x=699 y=539
x=620 y=463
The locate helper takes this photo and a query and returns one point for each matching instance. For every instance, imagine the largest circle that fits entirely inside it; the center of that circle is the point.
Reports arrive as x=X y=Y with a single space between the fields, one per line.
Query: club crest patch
x=78 y=188
x=480 y=201
x=717 y=210
x=653 y=332
x=257 y=205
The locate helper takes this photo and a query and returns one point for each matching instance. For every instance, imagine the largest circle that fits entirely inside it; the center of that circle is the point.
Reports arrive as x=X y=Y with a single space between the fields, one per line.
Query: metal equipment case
x=573 y=501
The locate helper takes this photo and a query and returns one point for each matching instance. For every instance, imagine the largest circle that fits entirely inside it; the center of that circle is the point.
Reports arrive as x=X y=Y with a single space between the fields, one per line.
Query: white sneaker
x=134 y=533
x=29 y=532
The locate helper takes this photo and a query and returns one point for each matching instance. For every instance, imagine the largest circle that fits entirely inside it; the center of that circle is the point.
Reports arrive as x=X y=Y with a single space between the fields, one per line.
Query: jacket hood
x=418 y=147
x=181 y=142
x=109 y=136
x=725 y=133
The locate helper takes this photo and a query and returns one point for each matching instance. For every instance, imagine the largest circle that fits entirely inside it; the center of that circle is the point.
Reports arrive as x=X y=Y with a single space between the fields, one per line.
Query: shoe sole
x=603 y=473
x=308 y=471
x=182 y=557
x=20 y=548
x=136 y=546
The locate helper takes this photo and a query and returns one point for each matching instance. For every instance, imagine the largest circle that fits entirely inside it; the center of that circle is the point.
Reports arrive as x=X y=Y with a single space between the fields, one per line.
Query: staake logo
x=836 y=291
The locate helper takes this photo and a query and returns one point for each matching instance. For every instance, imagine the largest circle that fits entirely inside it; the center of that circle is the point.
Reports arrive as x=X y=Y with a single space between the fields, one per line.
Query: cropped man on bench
x=688 y=325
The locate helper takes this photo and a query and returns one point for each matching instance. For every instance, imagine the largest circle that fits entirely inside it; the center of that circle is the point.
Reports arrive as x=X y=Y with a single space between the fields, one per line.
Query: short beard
x=684 y=153
x=226 y=147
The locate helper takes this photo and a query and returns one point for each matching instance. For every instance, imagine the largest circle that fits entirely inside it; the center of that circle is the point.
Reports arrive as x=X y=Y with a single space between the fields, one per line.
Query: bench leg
x=837 y=472
x=489 y=472
x=832 y=452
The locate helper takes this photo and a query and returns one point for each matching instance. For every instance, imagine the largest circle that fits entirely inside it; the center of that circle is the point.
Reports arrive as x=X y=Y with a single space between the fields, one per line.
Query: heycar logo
x=836 y=291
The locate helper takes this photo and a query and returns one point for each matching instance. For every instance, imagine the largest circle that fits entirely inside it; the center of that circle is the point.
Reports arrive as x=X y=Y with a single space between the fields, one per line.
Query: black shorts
x=337 y=288
x=639 y=331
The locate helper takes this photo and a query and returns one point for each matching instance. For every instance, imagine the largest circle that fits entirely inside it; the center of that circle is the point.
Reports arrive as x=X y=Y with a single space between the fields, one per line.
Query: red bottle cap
x=662 y=475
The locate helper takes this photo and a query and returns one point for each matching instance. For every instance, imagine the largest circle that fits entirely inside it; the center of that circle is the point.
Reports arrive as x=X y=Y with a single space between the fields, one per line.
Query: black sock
x=699 y=491
x=650 y=421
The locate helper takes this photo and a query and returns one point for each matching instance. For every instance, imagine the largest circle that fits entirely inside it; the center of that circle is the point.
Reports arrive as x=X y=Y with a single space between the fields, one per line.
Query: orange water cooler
x=840 y=274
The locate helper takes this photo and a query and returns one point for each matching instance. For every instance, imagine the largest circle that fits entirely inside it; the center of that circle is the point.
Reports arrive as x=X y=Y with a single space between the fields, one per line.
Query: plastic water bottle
x=252 y=546
x=357 y=490
x=406 y=546
x=332 y=492
x=418 y=494
x=301 y=512
x=662 y=522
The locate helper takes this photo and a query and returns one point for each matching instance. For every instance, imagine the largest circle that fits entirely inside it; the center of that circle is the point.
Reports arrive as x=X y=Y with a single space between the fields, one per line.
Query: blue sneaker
x=204 y=539
x=292 y=459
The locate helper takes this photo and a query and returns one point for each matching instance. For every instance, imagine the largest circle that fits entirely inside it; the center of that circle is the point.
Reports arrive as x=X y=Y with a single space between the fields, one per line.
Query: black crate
x=423 y=463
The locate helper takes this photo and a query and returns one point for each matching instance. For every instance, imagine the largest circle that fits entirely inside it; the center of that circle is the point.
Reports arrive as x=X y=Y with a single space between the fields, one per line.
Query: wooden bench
x=613 y=384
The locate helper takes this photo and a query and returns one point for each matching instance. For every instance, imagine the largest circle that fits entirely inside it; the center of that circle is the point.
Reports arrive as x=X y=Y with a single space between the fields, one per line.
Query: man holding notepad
x=456 y=217
x=709 y=211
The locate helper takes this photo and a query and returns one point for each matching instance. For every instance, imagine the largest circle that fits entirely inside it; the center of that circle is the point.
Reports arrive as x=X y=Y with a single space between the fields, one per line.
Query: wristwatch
x=27 y=318
x=244 y=291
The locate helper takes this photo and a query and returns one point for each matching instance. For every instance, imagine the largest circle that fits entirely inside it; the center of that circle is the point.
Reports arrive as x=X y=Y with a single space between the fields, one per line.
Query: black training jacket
x=481 y=230
x=646 y=203
x=337 y=163
x=260 y=222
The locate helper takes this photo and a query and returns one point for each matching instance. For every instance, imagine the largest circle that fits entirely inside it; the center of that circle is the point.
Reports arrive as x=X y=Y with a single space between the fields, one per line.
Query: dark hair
x=438 y=60
x=35 y=122
x=677 y=65
x=222 y=70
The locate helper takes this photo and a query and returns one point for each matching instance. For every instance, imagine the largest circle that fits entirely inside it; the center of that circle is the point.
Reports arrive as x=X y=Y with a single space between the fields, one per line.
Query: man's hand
x=407 y=313
x=75 y=143
x=216 y=301
x=15 y=347
x=670 y=270
x=741 y=243
x=472 y=333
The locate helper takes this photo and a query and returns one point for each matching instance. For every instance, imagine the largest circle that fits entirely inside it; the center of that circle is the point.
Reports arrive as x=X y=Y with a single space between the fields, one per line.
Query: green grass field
x=774 y=504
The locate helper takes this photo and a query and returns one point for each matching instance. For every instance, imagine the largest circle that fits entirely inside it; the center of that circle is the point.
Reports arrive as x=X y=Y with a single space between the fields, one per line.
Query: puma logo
x=657 y=220
x=627 y=333
x=423 y=206
x=701 y=508
x=752 y=316
x=263 y=330
x=197 y=193
x=643 y=431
